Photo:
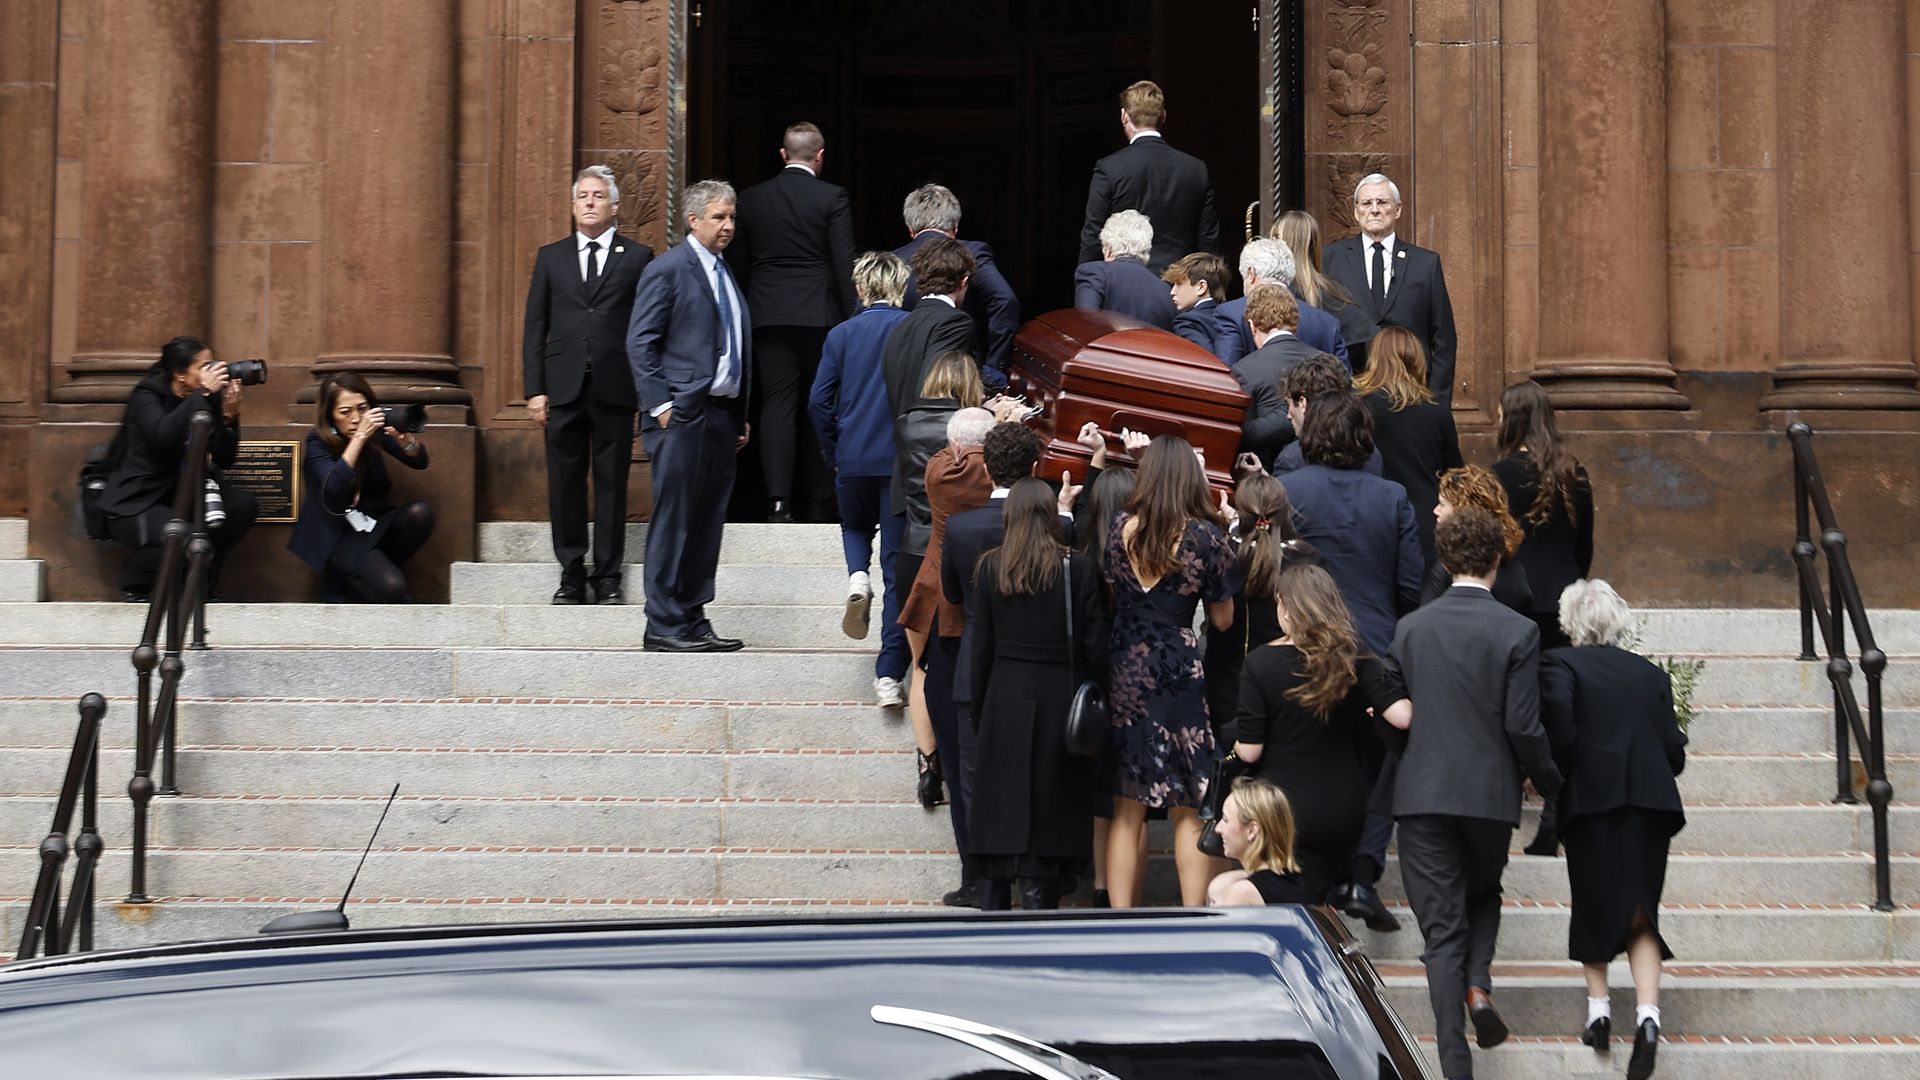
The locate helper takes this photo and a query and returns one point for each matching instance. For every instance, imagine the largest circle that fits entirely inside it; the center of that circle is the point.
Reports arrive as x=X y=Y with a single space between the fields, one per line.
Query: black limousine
x=1228 y=994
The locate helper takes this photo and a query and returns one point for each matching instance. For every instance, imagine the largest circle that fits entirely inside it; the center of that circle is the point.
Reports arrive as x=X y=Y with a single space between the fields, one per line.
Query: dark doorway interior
x=1009 y=104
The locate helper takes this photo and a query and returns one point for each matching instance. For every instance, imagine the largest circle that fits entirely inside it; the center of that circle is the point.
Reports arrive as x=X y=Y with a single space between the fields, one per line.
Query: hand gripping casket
x=1122 y=373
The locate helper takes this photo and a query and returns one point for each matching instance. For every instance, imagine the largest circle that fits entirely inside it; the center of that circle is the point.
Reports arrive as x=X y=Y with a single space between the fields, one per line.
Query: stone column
x=1846 y=333
x=146 y=190
x=1603 y=205
x=387 y=238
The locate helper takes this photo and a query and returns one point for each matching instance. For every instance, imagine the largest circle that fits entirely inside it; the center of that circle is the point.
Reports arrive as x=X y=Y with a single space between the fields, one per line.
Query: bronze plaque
x=271 y=470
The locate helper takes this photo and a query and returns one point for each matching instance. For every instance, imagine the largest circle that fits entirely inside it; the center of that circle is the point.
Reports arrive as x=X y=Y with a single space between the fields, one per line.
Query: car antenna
x=308 y=922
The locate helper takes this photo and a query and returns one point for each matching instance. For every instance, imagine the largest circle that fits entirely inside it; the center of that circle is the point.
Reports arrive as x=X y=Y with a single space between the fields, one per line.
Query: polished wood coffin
x=1119 y=373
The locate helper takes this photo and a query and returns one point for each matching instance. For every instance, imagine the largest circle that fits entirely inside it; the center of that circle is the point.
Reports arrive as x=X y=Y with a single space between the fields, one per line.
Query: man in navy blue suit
x=1270 y=262
x=1121 y=281
x=690 y=344
x=1198 y=283
x=931 y=212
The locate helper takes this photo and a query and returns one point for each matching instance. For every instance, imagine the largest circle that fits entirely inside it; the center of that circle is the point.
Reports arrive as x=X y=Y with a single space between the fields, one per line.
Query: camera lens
x=248 y=372
x=408 y=418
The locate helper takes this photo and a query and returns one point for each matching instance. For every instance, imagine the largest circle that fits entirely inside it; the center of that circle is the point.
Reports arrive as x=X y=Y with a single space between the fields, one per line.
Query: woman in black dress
x=1413 y=432
x=1260 y=529
x=1551 y=499
x=1610 y=715
x=1028 y=818
x=1471 y=485
x=349 y=530
x=1257 y=830
x=1304 y=700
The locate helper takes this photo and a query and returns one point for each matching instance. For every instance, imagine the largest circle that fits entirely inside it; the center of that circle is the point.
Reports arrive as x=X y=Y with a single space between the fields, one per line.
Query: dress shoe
x=932 y=786
x=569 y=593
x=657 y=643
x=607 y=593
x=1489 y=1028
x=780 y=513
x=1102 y=899
x=128 y=596
x=1599 y=1033
x=1646 y=1043
x=1545 y=842
x=716 y=643
x=966 y=896
x=1039 y=894
x=1363 y=903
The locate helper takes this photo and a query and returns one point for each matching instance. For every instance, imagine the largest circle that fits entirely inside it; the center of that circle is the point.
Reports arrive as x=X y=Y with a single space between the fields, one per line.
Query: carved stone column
x=1603 y=205
x=1846 y=333
x=146 y=190
x=387 y=293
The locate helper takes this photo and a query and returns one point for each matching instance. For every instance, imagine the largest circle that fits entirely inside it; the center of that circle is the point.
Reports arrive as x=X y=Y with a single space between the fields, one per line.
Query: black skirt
x=1616 y=865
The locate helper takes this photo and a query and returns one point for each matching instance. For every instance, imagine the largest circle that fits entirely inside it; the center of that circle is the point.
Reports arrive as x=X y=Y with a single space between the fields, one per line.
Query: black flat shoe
x=1599 y=1034
x=932 y=787
x=1363 y=903
x=568 y=595
x=966 y=896
x=656 y=643
x=1646 y=1043
x=1544 y=843
x=1101 y=899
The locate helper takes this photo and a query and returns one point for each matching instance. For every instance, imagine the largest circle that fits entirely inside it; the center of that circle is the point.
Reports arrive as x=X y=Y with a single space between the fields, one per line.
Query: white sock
x=859 y=584
x=1645 y=1013
x=1598 y=1007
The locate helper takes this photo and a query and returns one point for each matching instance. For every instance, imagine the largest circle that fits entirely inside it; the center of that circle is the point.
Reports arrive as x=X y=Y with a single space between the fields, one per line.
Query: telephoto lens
x=216 y=505
x=408 y=418
x=247 y=372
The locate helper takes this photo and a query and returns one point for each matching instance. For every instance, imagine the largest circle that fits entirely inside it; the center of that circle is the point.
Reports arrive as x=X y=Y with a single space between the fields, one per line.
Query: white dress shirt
x=1143 y=133
x=803 y=167
x=605 y=240
x=1387 y=244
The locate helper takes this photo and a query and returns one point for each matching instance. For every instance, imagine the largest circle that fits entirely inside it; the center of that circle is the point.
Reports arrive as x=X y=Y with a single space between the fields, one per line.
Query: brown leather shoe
x=1489 y=1029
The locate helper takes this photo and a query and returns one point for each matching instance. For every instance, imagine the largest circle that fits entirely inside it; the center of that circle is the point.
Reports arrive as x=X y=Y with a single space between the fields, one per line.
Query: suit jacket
x=1609 y=714
x=1170 y=187
x=968 y=535
x=153 y=446
x=990 y=301
x=1261 y=374
x=675 y=339
x=933 y=327
x=570 y=330
x=1362 y=526
x=1416 y=299
x=1472 y=668
x=1317 y=328
x=849 y=402
x=333 y=487
x=1124 y=285
x=792 y=251
x=1202 y=325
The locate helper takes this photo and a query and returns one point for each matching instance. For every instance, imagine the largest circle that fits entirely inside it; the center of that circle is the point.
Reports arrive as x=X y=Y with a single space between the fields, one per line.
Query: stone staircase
x=22 y=580
x=550 y=770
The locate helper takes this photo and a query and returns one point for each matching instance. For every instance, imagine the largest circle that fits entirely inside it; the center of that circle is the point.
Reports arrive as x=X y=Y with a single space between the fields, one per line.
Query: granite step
x=734 y=584
x=1709 y=1057
x=13 y=538
x=756 y=544
x=1838 y=877
x=22 y=581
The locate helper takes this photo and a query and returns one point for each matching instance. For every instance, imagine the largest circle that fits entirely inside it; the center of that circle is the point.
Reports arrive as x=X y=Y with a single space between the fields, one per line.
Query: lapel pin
x=618 y=250
x=1401 y=254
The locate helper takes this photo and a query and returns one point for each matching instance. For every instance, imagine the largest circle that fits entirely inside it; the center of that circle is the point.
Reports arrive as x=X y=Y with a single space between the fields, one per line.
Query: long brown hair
x=1266 y=535
x=1396 y=367
x=954 y=375
x=1028 y=558
x=1527 y=421
x=1301 y=233
x=1322 y=631
x=1169 y=491
x=1471 y=485
x=330 y=390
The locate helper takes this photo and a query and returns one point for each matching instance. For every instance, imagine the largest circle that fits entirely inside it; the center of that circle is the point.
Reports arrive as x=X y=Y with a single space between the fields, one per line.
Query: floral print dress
x=1164 y=749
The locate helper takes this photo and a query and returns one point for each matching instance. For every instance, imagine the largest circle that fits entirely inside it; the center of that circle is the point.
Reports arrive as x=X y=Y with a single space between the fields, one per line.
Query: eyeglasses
x=1372 y=204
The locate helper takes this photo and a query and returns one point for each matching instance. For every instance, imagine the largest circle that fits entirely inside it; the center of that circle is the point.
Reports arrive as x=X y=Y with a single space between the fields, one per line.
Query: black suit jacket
x=792 y=252
x=569 y=329
x=1202 y=325
x=1416 y=299
x=1610 y=716
x=1262 y=373
x=968 y=535
x=933 y=327
x=990 y=301
x=1171 y=187
x=1124 y=285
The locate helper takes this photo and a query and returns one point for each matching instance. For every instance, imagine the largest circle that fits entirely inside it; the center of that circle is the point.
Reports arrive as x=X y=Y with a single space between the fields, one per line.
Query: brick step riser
x=1755 y=1061
x=1759 y=1008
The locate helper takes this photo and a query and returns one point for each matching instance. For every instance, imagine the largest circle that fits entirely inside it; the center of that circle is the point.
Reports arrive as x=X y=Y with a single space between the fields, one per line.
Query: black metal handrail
x=1869 y=732
x=47 y=930
x=179 y=594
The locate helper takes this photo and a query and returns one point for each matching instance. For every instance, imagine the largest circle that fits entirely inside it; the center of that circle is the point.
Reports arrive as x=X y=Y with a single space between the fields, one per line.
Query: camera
x=411 y=419
x=247 y=372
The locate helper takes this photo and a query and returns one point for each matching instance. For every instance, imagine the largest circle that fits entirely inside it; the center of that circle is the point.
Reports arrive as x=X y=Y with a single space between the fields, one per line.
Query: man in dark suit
x=1262 y=373
x=1394 y=283
x=1197 y=283
x=937 y=325
x=579 y=385
x=1120 y=281
x=931 y=212
x=1472 y=668
x=1316 y=378
x=794 y=261
x=1265 y=261
x=690 y=345
x=1170 y=187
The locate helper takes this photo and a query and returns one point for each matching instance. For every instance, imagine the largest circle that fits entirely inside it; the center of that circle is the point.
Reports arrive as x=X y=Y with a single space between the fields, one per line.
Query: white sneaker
x=891 y=692
x=859 y=606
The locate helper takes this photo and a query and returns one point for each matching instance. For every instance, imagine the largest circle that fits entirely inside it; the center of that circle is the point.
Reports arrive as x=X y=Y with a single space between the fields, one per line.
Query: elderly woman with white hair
x=1121 y=281
x=1610 y=715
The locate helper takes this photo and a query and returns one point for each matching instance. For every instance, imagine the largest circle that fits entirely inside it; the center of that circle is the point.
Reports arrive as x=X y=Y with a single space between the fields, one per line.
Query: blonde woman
x=1256 y=825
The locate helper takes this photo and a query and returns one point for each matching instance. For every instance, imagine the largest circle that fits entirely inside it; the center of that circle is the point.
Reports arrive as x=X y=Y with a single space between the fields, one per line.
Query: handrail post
x=1879 y=790
x=1837 y=651
x=1803 y=533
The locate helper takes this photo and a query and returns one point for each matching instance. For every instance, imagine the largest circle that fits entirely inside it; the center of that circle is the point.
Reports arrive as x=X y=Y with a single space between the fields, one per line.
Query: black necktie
x=1379 y=274
x=593 y=264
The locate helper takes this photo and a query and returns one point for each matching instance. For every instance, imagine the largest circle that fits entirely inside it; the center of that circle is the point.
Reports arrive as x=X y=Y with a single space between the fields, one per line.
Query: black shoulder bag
x=1087 y=727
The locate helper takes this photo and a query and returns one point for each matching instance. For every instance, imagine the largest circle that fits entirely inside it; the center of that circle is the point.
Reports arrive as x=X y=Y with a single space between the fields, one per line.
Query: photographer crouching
x=149 y=455
x=348 y=530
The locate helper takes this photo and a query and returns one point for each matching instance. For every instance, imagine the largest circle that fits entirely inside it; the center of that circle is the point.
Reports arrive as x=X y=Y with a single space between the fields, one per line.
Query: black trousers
x=582 y=433
x=953 y=736
x=1451 y=867
x=785 y=359
x=693 y=468
x=144 y=533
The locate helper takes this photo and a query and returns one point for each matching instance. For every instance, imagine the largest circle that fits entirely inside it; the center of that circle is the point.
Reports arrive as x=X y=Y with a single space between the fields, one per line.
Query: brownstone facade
x=1692 y=221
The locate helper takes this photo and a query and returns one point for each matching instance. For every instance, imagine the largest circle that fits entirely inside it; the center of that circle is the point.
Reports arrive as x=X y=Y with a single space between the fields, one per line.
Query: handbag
x=1225 y=771
x=1087 y=726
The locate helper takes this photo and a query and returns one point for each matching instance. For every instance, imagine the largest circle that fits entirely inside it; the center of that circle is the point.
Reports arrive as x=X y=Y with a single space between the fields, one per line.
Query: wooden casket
x=1119 y=373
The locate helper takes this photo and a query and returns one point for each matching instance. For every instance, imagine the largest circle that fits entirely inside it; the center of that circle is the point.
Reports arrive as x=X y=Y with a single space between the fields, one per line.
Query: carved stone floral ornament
x=1356 y=81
